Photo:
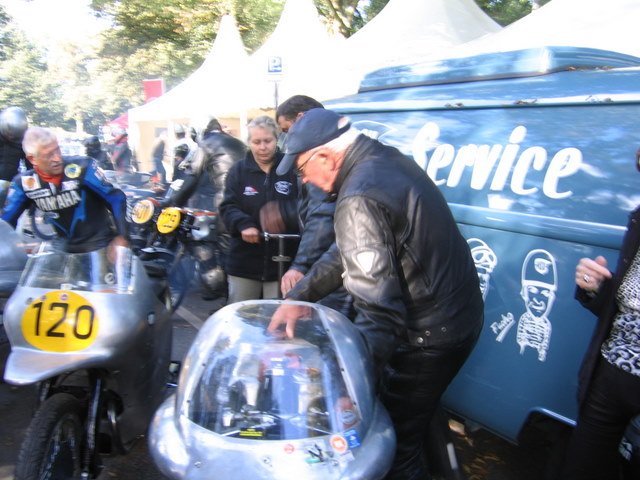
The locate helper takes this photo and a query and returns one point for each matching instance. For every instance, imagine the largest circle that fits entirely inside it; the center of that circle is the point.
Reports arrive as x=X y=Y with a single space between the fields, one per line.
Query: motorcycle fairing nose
x=251 y=404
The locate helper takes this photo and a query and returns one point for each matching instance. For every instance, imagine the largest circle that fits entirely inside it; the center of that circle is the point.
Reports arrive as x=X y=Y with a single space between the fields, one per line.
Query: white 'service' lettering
x=495 y=166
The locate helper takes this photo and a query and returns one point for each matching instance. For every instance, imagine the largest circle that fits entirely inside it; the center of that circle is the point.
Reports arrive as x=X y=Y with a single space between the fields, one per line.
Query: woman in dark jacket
x=250 y=184
x=609 y=390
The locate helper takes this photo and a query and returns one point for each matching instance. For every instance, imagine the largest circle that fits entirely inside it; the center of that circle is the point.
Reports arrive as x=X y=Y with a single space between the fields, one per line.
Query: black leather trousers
x=414 y=381
x=612 y=401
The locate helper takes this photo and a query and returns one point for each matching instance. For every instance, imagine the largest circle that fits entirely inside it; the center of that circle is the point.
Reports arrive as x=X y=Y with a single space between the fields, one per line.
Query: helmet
x=212 y=125
x=181 y=150
x=179 y=129
x=214 y=281
x=13 y=123
x=92 y=143
x=118 y=132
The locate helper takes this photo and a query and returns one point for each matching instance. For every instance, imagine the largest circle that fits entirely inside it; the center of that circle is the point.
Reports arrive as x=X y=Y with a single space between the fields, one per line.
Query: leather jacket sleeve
x=324 y=277
x=181 y=197
x=215 y=156
x=597 y=303
x=371 y=277
x=317 y=234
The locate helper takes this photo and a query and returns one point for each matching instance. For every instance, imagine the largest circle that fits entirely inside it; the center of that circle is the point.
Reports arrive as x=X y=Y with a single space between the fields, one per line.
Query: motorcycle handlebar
x=268 y=236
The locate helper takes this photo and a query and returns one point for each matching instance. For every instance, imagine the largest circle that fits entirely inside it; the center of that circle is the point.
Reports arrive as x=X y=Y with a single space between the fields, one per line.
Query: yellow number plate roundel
x=142 y=211
x=60 y=322
x=169 y=220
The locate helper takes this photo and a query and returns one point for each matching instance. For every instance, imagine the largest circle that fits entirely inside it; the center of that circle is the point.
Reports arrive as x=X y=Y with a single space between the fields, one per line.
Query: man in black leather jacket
x=216 y=153
x=404 y=261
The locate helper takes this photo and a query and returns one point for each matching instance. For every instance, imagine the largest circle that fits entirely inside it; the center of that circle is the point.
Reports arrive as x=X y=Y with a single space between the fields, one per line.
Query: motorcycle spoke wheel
x=51 y=449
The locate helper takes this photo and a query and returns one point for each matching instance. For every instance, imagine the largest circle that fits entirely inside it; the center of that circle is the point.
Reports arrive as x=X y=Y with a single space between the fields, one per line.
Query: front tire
x=53 y=443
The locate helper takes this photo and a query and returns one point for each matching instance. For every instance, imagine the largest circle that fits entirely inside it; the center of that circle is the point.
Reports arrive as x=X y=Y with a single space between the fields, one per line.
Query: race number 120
x=60 y=322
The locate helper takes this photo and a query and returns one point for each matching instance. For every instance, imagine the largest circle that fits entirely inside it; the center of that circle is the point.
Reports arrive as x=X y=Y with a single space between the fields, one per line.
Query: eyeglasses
x=48 y=156
x=304 y=164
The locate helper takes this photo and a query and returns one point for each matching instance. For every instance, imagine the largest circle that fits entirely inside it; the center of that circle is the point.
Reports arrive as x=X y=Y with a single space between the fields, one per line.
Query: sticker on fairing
x=339 y=443
x=60 y=321
x=169 y=220
x=251 y=433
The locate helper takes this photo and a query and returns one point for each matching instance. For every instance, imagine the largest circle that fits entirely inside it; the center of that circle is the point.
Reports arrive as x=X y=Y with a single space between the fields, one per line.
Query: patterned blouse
x=622 y=348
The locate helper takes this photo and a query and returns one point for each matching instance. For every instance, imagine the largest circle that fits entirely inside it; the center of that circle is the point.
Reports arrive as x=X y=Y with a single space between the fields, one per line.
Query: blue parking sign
x=275 y=64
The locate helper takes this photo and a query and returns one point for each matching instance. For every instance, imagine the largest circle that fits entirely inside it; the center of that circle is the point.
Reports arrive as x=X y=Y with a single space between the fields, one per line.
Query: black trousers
x=612 y=401
x=414 y=381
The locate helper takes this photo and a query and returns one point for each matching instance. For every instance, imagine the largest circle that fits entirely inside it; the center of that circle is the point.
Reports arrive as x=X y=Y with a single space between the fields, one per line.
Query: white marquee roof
x=413 y=28
x=216 y=87
x=307 y=53
x=409 y=29
x=608 y=25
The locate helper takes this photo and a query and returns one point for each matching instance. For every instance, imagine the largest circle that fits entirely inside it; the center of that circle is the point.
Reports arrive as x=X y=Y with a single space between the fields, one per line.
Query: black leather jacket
x=10 y=155
x=316 y=217
x=604 y=304
x=314 y=211
x=402 y=256
x=216 y=154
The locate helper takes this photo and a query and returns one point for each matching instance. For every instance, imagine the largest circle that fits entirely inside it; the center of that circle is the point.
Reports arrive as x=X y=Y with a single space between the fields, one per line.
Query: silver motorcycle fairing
x=250 y=405
x=131 y=325
x=12 y=259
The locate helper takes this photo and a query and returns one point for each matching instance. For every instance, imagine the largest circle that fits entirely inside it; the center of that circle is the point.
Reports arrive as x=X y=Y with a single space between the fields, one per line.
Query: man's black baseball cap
x=316 y=127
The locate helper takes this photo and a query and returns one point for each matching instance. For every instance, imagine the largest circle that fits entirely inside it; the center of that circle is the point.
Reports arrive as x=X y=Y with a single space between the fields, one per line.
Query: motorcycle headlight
x=169 y=219
x=143 y=211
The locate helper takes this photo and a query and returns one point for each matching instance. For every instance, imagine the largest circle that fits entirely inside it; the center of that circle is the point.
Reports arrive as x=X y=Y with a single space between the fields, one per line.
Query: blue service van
x=535 y=152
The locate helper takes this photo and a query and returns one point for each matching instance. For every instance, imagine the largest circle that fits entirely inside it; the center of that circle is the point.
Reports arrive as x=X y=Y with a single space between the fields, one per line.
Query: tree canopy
x=166 y=39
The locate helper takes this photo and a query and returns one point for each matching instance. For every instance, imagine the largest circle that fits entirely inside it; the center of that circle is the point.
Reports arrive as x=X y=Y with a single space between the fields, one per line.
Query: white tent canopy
x=409 y=29
x=608 y=25
x=217 y=88
x=297 y=58
x=214 y=88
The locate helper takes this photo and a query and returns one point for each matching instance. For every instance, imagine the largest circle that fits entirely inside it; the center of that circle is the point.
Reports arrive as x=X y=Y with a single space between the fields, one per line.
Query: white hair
x=36 y=137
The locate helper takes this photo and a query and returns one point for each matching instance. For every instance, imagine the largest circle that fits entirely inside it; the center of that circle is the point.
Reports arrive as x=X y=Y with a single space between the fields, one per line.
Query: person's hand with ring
x=591 y=273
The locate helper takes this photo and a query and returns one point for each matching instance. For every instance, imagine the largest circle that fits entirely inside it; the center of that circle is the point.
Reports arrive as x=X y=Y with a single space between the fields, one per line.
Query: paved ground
x=482 y=456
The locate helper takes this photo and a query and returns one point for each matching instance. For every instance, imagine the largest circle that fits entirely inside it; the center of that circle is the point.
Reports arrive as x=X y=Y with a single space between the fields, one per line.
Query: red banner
x=153 y=89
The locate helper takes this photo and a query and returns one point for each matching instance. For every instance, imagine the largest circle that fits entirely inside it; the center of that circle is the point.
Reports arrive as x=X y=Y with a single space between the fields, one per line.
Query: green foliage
x=256 y=20
x=363 y=12
x=7 y=36
x=506 y=12
x=170 y=39
x=24 y=79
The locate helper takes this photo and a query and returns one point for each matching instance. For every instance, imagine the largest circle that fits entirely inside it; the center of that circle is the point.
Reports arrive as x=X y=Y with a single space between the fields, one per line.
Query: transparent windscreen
x=96 y=271
x=255 y=386
x=12 y=254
